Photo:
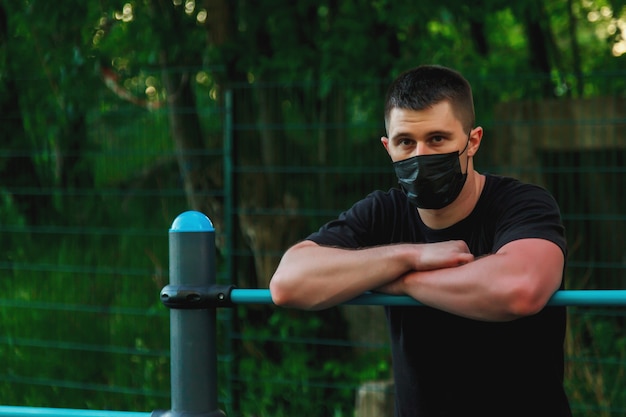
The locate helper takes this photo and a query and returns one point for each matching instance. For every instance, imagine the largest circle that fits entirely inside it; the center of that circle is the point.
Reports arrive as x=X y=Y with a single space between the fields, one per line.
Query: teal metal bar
x=560 y=298
x=589 y=298
x=11 y=411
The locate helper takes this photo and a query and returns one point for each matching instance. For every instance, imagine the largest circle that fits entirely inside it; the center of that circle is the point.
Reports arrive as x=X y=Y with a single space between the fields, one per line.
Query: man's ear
x=385 y=141
x=475 y=138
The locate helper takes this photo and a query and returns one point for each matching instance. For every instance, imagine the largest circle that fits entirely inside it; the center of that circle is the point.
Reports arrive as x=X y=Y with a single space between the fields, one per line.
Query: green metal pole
x=192 y=324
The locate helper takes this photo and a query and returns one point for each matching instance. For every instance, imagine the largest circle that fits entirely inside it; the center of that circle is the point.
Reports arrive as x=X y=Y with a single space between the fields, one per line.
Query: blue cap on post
x=192 y=221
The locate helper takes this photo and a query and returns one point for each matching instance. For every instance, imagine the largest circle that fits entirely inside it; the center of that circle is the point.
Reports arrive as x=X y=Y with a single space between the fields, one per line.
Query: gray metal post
x=192 y=323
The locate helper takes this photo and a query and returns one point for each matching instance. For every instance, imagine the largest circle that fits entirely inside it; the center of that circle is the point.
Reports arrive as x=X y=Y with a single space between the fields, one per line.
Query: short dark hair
x=424 y=86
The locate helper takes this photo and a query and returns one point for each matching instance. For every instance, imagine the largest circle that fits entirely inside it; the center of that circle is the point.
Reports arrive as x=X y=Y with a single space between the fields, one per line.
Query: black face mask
x=431 y=181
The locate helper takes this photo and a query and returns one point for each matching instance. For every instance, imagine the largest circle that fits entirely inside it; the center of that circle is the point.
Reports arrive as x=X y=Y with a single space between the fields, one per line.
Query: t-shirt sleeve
x=363 y=225
x=531 y=212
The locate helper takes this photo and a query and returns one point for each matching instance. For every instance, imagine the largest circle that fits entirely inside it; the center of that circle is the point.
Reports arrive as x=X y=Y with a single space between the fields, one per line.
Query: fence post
x=375 y=399
x=193 y=359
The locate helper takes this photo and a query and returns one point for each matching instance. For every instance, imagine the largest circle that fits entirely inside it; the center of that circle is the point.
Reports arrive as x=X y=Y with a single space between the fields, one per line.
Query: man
x=483 y=253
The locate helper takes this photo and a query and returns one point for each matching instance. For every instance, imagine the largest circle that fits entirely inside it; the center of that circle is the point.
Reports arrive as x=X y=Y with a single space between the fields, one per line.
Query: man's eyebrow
x=402 y=134
x=428 y=134
x=439 y=133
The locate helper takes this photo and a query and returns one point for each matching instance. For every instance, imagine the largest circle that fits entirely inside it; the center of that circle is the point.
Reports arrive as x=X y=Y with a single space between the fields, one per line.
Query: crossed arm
x=516 y=281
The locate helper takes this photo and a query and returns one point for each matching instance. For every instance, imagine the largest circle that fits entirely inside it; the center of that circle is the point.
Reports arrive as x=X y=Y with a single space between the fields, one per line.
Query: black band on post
x=191 y=297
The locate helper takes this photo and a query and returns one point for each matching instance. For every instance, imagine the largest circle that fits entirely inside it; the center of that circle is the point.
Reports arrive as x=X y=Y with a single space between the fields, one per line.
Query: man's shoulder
x=391 y=197
x=390 y=194
x=509 y=187
x=371 y=221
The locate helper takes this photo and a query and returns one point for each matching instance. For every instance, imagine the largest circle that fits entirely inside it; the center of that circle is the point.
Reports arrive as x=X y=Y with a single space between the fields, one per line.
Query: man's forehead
x=423 y=122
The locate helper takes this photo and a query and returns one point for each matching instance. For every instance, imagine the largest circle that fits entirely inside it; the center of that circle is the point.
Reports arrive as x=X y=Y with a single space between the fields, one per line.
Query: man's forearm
x=315 y=277
x=311 y=276
x=515 y=282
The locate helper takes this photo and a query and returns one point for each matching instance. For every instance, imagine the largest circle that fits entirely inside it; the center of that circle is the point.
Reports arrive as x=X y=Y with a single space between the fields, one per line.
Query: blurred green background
x=266 y=116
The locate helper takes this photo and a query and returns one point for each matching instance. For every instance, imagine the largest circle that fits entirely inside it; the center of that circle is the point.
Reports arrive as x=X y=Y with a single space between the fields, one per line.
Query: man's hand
x=432 y=256
x=442 y=255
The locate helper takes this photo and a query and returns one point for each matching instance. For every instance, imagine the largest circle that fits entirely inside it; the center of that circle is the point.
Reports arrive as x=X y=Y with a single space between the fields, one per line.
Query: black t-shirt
x=447 y=365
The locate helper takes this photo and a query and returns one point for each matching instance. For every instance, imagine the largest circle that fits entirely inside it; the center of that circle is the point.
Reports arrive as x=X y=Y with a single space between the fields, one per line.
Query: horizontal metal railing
x=14 y=411
x=560 y=298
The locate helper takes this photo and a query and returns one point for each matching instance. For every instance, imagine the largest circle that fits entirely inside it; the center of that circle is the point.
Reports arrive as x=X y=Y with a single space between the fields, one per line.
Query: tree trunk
x=538 y=35
x=199 y=174
x=17 y=169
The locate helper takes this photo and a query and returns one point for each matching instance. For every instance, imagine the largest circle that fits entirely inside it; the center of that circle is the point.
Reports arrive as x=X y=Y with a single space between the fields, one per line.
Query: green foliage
x=83 y=328
x=597 y=346
x=293 y=363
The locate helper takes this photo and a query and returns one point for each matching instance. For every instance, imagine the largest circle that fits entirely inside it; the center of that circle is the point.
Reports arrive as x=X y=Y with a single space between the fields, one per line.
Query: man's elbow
x=527 y=301
x=280 y=295
x=287 y=284
x=284 y=295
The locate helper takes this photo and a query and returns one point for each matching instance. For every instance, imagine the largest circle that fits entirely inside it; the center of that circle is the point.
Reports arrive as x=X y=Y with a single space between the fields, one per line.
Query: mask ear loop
x=464 y=149
x=466 y=143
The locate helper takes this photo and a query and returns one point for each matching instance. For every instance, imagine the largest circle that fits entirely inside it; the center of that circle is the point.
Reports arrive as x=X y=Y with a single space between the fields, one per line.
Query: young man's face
x=435 y=130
